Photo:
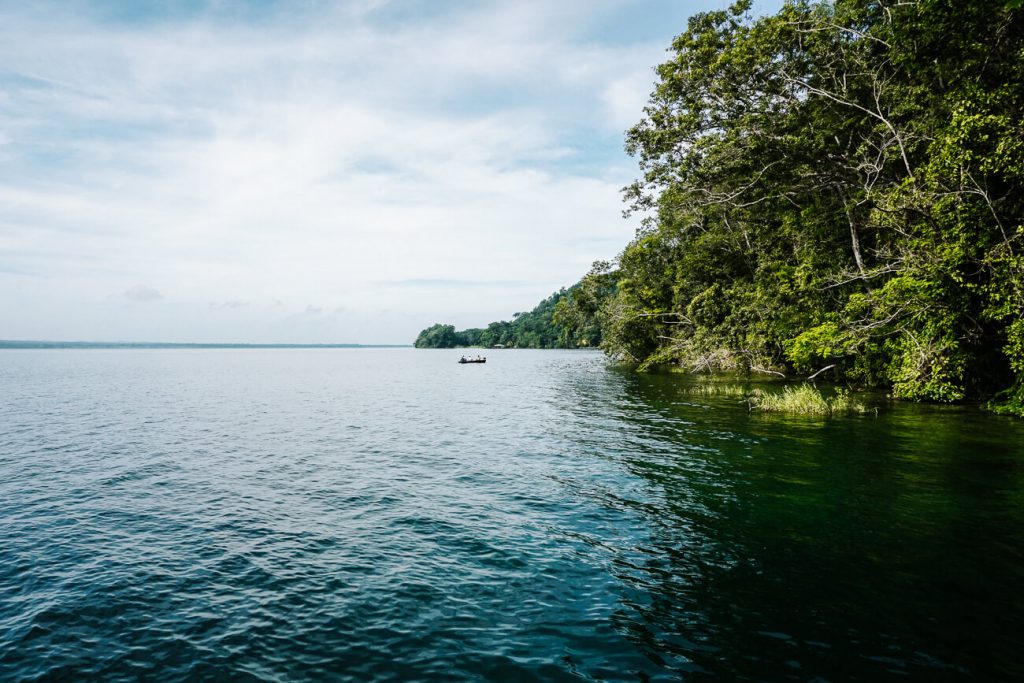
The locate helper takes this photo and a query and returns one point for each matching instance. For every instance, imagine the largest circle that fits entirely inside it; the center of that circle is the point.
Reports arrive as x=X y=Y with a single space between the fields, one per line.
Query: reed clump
x=805 y=399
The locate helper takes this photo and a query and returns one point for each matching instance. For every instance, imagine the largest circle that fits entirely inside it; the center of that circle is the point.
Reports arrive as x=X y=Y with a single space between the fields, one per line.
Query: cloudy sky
x=308 y=171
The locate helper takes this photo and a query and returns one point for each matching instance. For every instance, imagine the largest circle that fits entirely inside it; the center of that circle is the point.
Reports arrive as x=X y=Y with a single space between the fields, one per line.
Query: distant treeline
x=565 y=320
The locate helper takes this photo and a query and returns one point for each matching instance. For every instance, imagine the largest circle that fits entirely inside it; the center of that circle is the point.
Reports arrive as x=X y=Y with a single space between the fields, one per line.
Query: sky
x=312 y=172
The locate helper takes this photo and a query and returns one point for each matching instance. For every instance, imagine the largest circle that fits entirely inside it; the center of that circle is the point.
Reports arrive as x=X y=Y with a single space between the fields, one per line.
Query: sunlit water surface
x=391 y=515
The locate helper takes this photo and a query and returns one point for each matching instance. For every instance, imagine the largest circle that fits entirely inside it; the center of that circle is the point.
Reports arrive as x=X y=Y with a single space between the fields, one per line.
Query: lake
x=390 y=515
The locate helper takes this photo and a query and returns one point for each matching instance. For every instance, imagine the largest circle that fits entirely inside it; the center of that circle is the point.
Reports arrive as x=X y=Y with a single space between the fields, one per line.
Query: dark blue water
x=287 y=515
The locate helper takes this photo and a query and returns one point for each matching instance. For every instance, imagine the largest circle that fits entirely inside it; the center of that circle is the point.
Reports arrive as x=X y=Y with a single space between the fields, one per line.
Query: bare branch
x=827 y=367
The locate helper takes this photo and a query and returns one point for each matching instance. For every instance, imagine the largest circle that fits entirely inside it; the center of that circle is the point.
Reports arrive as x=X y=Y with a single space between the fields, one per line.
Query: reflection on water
x=390 y=515
x=784 y=547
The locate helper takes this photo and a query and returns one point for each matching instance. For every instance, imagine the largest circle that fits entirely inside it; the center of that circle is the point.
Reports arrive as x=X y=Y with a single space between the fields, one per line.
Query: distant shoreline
x=26 y=344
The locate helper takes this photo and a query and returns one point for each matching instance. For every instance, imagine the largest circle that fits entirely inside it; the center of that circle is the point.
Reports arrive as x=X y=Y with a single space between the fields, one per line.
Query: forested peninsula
x=565 y=320
x=833 y=191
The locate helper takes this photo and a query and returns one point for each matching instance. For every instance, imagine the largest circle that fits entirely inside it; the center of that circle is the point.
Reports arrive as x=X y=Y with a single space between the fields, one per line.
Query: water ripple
x=389 y=515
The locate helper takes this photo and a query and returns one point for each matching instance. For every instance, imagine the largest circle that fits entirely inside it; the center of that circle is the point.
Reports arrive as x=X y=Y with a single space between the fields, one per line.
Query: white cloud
x=625 y=97
x=229 y=305
x=142 y=294
x=308 y=158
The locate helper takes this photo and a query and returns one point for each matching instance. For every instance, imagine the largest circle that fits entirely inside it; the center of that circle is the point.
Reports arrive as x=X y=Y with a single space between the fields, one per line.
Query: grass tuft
x=806 y=399
x=725 y=389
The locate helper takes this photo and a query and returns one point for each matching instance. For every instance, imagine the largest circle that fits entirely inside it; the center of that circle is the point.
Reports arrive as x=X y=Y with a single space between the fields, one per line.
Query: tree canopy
x=565 y=320
x=835 y=187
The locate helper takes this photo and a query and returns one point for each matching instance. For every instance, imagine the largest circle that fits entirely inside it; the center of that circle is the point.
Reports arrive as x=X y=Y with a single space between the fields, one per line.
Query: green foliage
x=567 y=319
x=438 y=337
x=820 y=343
x=1011 y=401
x=441 y=336
x=839 y=185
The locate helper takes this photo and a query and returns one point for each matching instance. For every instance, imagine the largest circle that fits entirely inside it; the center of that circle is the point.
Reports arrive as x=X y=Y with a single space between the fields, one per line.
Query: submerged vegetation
x=802 y=399
x=716 y=389
x=805 y=399
x=836 y=190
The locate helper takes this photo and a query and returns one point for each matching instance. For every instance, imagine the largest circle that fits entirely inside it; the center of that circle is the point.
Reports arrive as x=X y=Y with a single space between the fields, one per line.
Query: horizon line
x=56 y=344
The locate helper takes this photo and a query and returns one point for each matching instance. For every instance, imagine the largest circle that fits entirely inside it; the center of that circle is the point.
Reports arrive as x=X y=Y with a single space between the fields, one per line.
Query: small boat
x=473 y=359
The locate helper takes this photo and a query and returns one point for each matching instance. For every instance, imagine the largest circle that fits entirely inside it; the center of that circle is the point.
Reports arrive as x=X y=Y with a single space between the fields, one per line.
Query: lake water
x=287 y=515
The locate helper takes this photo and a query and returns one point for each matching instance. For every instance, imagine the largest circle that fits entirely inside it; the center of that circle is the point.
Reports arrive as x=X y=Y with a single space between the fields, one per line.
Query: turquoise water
x=385 y=515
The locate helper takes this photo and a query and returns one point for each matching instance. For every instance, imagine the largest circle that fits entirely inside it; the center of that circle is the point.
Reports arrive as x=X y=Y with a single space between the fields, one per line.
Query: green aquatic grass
x=724 y=389
x=805 y=399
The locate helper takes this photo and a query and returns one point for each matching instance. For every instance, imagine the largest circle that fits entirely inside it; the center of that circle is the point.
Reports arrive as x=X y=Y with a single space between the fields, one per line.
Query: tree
x=837 y=185
x=437 y=337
